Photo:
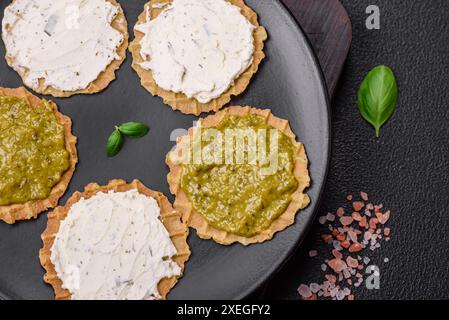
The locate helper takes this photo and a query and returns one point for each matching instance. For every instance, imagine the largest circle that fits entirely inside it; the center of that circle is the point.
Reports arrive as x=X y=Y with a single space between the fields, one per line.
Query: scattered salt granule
x=358 y=205
x=353 y=263
x=304 y=291
x=331 y=278
x=322 y=220
x=346 y=221
x=356 y=216
x=340 y=212
x=337 y=254
x=340 y=295
x=337 y=265
x=360 y=227
x=313 y=253
x=314 y=287
x=356 y=247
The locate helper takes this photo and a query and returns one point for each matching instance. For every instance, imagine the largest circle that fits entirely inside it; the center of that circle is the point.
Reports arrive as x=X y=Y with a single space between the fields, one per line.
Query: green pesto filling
x=33 y=157
x=237 y=197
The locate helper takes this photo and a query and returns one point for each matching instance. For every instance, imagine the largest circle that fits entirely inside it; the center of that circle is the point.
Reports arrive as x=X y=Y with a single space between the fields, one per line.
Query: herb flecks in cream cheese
x=67 y=43
x=114 y=246
x=33 y=157
x=238 y=198
x=197 y=47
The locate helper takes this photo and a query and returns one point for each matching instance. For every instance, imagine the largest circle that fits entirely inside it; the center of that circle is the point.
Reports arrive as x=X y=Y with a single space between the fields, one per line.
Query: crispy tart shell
x=170 y=218
x=105 y=77
x=179 y=101
x=12 y=213
x=300 y=200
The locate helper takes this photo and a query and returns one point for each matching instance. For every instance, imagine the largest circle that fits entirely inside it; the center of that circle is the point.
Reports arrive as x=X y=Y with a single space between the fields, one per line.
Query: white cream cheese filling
x=67 y=43
x=113 y=246
x=197 y=47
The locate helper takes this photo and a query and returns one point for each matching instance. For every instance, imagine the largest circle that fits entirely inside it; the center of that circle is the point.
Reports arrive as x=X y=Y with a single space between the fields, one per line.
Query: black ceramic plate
x=289 y=82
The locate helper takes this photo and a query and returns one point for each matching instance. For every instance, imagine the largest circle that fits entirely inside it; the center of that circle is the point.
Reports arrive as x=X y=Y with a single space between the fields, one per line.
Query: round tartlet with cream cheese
x=196 y=54
x=37 y=155
x=115 y=242
x=65 y=47
x=239 y=176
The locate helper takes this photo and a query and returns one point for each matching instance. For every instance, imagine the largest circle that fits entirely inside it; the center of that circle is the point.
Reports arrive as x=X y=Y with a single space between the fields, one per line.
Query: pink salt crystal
x=337 y=245
x=349 y=281
x=340 y=295
x=364 y=196
x=367 y=213
x=367 y=235
x=358 y=205
x=378 y=207
x=362 y=222
x=337 y=254
x=304 y=291
x=373 y=223
x=353 y=263
x=356 y=216
x=346 y=274
x=322 y=220
x=315 y=287
x=356 y=247
x=385 y=217
x=337 y=265
x=323 y=267
x=379 y=215
x=330 y=217
x=313 y=253
x=349 y=197
x=330 y=278
x=351 y=297
x=340 y=212
x=387 y=231
x=352 y=236
x=346 y=221
x=370 y=206
x=334 y=292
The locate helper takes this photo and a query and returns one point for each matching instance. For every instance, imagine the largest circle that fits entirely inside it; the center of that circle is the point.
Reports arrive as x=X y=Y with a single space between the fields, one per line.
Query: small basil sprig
x=129 y=129
x=134 y=129
x=115 y=143
x=378 y=96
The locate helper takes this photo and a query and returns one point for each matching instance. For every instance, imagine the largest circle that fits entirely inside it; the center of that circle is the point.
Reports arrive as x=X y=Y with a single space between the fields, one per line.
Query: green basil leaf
x=134 y=129
x=378 y=96
x=115 y=143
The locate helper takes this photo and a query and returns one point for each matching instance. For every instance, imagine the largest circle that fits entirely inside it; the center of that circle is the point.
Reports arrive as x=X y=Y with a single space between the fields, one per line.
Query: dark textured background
x=407 y=169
